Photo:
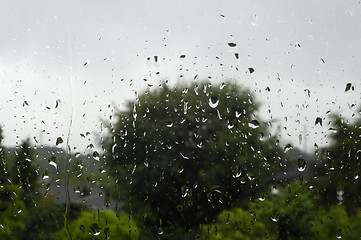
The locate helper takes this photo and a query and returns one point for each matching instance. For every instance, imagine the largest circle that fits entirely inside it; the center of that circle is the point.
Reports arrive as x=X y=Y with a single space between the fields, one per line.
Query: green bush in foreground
x=235 y=224
x=101 y=224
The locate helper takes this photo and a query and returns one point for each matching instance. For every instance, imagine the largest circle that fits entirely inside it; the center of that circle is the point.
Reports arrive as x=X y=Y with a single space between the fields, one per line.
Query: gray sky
x=292 y=45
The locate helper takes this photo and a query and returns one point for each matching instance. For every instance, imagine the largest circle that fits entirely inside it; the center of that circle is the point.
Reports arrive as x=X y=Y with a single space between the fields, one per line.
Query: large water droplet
x=213 y=102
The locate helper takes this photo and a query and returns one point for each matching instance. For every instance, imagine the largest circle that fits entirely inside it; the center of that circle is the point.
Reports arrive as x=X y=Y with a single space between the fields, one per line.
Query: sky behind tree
x=66 y=65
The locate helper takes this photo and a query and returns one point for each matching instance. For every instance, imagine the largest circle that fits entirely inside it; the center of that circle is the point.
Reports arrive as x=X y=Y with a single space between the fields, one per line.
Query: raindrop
x=275 y=217
x=52 y=161
x=251 y=176
x=183 y=156
x=169 y=124
x=236 y=55
x=254 y=20
x=349 y=87
x=287 y=147
x=213 y=102
x=238 y=173
x=318 y=121
x=77 y=154
x=251 y=70
x=76 y=189
x=332 y=130
x=96 y=155
x=301 y=164
x=45 y=174
x=307 y=91
x=95 y=229
x=232 y=44
x=57 y=103
x=182 y=56
x=59 y=142
x=222 y=86
x=254 y=124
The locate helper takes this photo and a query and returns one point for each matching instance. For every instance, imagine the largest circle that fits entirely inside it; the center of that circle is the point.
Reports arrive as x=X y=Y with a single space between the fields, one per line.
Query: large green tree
x=180 y=155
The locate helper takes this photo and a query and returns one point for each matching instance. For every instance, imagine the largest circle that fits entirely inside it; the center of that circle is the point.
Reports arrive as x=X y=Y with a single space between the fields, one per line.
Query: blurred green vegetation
x=192 y=162
x=101 y=224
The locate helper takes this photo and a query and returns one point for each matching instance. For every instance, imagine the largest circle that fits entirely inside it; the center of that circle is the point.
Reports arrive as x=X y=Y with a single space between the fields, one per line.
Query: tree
x=339 y=171
x=25 y=173
x=3 y=167
x=181 y=155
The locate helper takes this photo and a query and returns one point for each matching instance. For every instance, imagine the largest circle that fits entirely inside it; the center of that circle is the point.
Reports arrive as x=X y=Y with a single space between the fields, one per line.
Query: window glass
x=180 y=120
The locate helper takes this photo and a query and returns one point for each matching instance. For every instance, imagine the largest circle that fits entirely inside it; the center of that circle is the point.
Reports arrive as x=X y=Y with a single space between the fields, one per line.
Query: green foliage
x=235 y=224
x=24 y=172
x=288 y=214
x=44 y=219
x=3 y=166
x=103 y=224
x=12 y=211
x=340 y=169
x=336 y=223
x=181 y=155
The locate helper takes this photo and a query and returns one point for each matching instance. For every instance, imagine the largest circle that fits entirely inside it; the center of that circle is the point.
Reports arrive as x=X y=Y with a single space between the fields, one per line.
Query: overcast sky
x=78 y=60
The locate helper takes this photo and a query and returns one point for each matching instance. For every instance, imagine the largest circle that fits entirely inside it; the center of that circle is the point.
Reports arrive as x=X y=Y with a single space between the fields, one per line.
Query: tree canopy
x=180 y=155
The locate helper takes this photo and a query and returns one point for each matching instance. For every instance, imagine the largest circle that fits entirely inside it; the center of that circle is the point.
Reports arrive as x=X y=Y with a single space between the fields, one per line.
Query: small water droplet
x=254 y=124
x=251 y=70
x=213 y=102
x=96 y=155
x=318 y=121
x=183 y=156
x=45 y=174
x=287 y=147
x=349 y=86
x=275 y=217
x=254 y=20
x=52 y=161
x=59 y=142
x=169 y=124
x=95 y=229
x=301 y=164
x=231 y=44
x=237 y=173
